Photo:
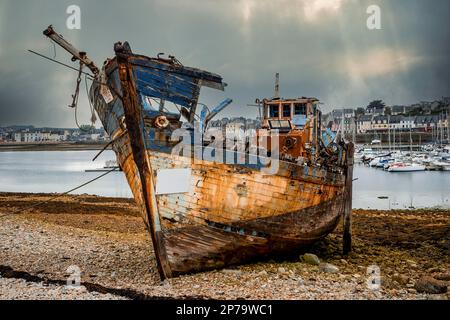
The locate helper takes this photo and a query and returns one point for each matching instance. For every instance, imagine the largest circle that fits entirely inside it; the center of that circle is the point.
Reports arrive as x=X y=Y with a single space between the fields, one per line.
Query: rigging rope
x=61 y=63
x=90 y=76
x=54 y=49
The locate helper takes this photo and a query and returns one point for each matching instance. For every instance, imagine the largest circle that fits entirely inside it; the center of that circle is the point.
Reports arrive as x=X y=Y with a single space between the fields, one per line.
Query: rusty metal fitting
x=161 y=122
x=290 y=142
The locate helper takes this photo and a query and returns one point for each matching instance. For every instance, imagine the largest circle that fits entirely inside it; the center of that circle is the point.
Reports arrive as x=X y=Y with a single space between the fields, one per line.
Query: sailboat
x=406 y=167
x=204 y=212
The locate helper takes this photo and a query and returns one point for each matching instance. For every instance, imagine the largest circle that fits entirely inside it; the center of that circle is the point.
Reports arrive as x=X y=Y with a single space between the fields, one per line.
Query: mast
x=277 y=86
x=393 y=133
x=354 y=129
x=389 y=132
x=410 y=139
x=448 y=126
x=76 y=55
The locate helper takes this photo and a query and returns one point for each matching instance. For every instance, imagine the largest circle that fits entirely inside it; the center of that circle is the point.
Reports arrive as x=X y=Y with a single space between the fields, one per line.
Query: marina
x=428 y=158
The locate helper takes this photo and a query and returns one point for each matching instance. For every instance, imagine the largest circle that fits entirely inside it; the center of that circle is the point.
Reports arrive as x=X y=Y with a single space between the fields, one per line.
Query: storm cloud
x=321 y=48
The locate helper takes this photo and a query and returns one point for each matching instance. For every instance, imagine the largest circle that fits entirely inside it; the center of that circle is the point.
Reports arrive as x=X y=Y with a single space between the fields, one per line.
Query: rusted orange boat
x=207 y=205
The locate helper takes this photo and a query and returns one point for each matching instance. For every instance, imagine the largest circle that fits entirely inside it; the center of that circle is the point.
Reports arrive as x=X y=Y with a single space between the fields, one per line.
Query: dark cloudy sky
x=321 y=48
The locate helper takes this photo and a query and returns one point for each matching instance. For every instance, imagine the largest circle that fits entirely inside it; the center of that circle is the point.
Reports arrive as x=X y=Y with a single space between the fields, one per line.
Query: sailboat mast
x=389 y=132
x=394 y=138
x=410 y=139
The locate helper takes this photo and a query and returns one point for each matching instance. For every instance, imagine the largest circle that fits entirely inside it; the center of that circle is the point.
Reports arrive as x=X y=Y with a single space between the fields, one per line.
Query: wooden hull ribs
x=208 y=212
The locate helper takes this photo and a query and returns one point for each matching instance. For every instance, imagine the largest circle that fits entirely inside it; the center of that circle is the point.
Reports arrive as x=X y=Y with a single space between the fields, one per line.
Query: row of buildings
x=421 y=117
x=377 y=117
x=422 y=123
x=30 y=134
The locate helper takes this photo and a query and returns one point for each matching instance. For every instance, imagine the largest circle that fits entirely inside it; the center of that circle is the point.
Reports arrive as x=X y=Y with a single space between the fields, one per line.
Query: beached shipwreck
x=227 y=208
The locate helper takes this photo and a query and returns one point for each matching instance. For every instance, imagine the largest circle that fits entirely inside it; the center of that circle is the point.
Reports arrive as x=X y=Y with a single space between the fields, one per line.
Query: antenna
x=277 y=86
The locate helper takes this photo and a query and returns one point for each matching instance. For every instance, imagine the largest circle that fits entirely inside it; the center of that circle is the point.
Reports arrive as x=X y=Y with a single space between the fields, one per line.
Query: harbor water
x=59 y=171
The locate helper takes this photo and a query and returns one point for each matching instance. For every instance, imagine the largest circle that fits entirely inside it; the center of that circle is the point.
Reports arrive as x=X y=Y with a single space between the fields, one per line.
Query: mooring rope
x=58 y=196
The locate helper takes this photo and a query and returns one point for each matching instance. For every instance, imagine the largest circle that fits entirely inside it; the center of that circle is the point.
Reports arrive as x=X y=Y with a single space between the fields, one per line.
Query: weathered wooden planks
x=202 y=238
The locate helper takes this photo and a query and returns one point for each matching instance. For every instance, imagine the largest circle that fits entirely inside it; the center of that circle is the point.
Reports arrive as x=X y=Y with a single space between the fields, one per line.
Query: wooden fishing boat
x=207 y=208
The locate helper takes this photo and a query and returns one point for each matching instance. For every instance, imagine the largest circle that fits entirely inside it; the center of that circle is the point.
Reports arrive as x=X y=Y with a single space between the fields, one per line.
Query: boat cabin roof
x=289 y=100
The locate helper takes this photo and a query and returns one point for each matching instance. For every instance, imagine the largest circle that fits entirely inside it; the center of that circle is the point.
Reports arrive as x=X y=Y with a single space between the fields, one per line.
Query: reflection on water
x=378 y=189
x=59 y=171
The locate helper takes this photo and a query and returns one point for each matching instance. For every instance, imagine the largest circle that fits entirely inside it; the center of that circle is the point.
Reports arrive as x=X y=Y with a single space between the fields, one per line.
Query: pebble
x=310 y=258
x=401 y=279
x=443 y=277
x=430 y=285
x=328 y=268
x=434 y=270
x=232 y=271
x=134 y=268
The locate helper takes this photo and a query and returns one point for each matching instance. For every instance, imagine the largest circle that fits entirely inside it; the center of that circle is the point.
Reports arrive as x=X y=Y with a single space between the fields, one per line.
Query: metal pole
x=277 y=86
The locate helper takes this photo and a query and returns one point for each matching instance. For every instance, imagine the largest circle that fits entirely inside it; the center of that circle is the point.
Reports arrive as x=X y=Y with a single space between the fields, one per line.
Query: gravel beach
x=105 y=239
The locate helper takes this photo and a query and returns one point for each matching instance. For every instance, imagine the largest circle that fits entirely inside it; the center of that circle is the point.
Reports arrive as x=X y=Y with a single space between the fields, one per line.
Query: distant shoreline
x=65 y=146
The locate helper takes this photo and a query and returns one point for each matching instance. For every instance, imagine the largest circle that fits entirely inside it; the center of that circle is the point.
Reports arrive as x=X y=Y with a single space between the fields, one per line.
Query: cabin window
x=282 y=125
x=299 y=109
x=274 y=111
x=286 y=110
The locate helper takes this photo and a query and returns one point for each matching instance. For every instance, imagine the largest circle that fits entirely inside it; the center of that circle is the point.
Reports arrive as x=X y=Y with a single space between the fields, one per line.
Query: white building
x=364 y=123
x=32 y=136
x=380 y=123
x=17 y=137
x=408 y=123
x=37 y=136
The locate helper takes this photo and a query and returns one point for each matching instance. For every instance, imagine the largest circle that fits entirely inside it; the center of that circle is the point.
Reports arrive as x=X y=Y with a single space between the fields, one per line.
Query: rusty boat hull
x=208 y=212
x=233 y=214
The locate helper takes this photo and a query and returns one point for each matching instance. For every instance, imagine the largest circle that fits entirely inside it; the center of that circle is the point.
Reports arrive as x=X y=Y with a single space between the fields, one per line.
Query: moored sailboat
x=406 y=167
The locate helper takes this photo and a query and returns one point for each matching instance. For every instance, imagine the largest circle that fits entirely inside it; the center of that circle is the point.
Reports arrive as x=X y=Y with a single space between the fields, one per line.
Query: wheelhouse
x=293 y=113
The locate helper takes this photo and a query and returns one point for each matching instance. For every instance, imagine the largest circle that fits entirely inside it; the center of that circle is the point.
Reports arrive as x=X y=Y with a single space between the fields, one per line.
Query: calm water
x=60 y=171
